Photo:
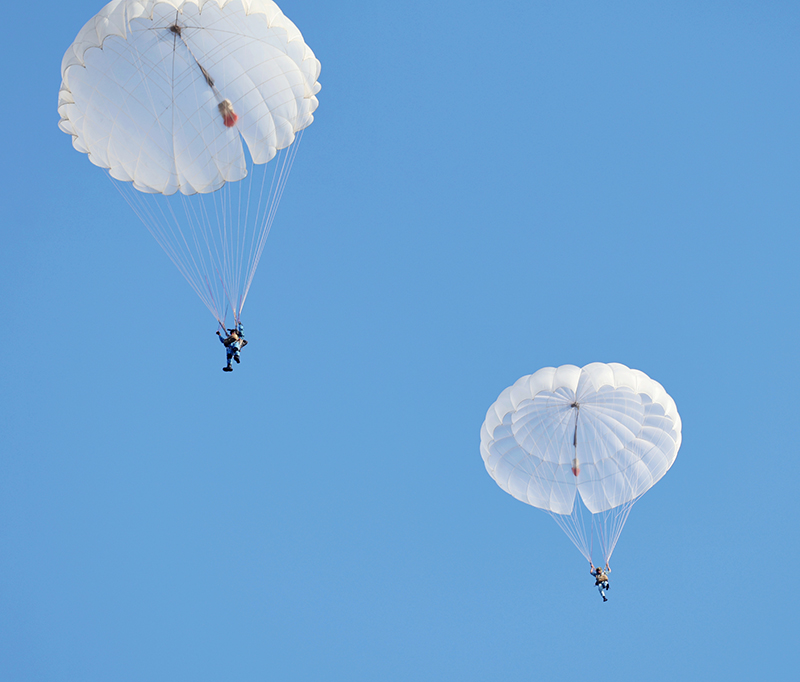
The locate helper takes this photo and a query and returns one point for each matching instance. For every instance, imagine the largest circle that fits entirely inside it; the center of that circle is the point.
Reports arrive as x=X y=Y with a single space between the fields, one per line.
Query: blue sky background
x=488 y=188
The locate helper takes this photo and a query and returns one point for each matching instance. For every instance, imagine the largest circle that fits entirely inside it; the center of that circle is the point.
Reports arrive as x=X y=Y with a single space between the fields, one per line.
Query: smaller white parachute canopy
x=604 y=433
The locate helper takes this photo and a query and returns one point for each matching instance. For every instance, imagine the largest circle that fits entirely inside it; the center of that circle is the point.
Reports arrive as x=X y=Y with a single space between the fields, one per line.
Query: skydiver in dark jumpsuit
x=233 y=343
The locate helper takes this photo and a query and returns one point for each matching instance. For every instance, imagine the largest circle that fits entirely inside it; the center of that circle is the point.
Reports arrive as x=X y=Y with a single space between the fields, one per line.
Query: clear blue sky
x=497 y=187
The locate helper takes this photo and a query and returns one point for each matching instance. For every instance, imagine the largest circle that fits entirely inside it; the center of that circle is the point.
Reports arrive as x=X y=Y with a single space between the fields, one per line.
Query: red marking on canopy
x=229 y=116
x=576 y=471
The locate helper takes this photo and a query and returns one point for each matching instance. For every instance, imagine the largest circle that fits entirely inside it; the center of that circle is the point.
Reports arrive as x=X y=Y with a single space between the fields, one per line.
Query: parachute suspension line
x=574 y=527
x=200 y=271
x=256 y=224
x=613 y=520
x=219 y=261
x=197 y=250
x=607 y=525
x=222 y=263
x=159 y=227
x=241 y=236
x=275 y=196
x=277 y=187
x=234 y=227
x=202 y=223
x=242 y=224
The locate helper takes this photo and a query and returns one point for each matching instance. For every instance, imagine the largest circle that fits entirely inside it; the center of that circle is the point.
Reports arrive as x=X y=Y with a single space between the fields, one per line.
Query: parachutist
x=600 y=579
x=233 y=342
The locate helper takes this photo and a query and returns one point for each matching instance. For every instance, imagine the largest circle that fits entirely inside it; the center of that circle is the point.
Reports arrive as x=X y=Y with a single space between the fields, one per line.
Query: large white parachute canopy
x=181 y=100
x=582 y=442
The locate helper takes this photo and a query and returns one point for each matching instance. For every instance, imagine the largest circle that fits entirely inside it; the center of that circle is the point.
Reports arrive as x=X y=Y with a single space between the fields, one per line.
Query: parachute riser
x=606 y=526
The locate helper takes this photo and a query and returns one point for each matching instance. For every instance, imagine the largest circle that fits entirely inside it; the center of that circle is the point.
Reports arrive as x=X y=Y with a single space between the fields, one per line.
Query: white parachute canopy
x=583 y=444
x=181 y=101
